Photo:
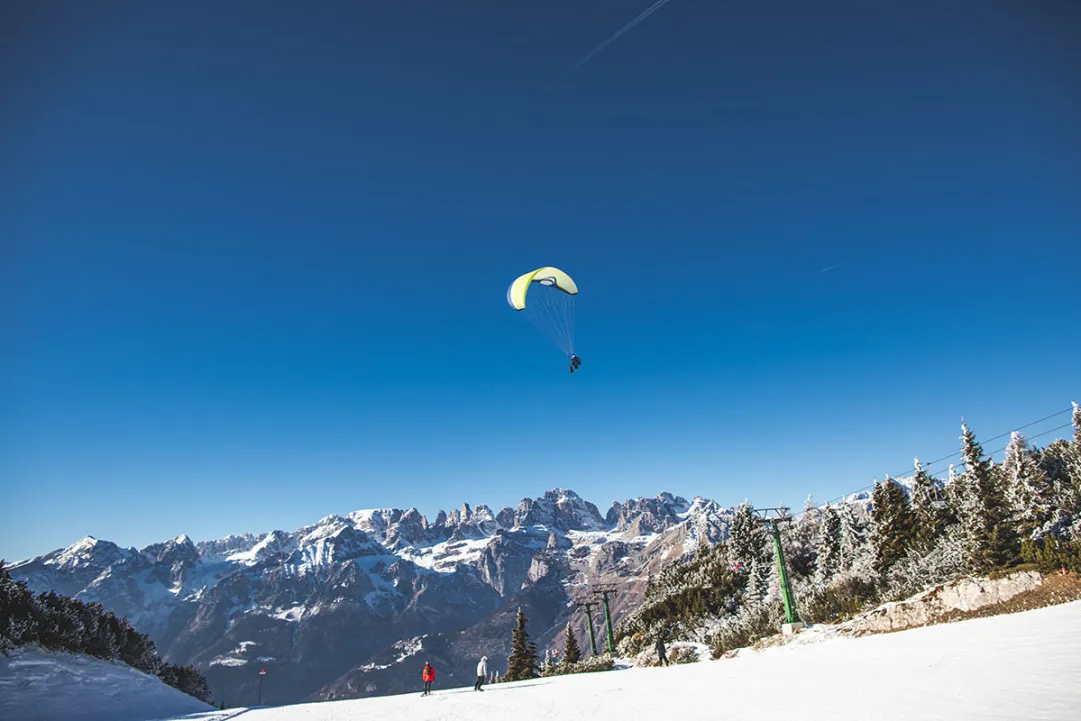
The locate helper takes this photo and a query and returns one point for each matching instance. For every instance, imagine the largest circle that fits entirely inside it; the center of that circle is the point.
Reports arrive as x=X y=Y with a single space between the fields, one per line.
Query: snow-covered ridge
x=559 y=509
x=380 y=560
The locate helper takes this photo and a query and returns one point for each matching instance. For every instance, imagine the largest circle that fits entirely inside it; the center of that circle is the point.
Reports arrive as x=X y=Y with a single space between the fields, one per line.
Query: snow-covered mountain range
x=339 y=608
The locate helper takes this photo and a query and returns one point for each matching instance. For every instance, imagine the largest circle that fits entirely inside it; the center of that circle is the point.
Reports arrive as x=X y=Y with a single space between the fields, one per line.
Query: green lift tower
x=588 y=606
x=772 y=518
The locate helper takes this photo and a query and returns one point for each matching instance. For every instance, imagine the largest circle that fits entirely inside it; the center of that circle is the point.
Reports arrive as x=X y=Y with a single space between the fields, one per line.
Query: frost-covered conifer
x=744 y=542
x=931 y=512
x=801 y=540
x=892 y=524
x=1029 y=491
x=1075 y=459
x=828 y=561
x=855 y=532
x=1076 y=419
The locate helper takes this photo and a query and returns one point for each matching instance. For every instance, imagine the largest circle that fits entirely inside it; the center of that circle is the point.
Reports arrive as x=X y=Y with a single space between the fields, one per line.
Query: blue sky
x=255 y=255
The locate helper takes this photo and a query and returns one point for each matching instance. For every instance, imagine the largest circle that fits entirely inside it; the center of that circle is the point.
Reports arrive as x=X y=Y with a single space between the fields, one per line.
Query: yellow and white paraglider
x=546 y=297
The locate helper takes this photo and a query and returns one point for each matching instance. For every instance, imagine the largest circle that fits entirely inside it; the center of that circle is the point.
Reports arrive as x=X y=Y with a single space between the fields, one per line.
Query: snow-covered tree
x=828 y=561
x=856 y=553
x=801 y=540
x=932 y=514
x=1075 y=459
x=892 y=524
x=1029 y=492
x=1056 y=461
x=919 y=569
x=990 y=535
x=748 y=545
x=744 y=541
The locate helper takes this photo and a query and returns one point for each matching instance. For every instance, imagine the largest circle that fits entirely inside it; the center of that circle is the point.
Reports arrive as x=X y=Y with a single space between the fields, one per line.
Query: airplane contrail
x=618 y=33
x=829 y=268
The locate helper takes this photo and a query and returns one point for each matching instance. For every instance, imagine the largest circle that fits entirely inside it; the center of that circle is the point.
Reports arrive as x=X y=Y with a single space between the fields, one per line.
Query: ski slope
x=1019 y=666
x=39 y=685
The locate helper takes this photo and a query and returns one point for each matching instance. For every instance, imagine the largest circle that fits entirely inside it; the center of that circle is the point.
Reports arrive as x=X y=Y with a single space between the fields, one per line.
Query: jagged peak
x=559 y=494
x=327 y=527
x=88 y=550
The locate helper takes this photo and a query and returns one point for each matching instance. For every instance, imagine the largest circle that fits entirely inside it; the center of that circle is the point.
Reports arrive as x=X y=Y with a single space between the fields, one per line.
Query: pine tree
x=744 y=543
x=1075 y=459
x=892 y=524
x=1055 y=463
x=931 y=512
x=748 y=545
x=855 y=533
x=1029 y=491
x=828 y=561
x=522 y=662
x=19 y=612
x=801 y=540
x=534 y=658
x=571 y=652
x=991 y=538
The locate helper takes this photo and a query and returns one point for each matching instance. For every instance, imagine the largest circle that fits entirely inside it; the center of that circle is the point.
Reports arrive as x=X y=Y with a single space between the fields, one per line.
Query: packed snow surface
x=1003 y=668
x=38 y=685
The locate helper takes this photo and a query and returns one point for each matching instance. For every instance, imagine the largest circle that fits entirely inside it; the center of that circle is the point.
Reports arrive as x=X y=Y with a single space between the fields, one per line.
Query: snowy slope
x=967 y=670
x=38 y=685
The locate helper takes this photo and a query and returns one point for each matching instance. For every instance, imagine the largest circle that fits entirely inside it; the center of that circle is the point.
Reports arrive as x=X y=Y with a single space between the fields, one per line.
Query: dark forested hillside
x=59 y=623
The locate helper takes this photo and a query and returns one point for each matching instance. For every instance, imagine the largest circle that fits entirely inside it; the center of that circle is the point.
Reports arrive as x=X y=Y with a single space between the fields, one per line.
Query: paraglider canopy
x=547 y=276
x=546 y=297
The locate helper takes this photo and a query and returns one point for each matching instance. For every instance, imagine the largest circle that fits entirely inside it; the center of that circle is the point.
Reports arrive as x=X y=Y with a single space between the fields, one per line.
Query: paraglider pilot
x=575 y=362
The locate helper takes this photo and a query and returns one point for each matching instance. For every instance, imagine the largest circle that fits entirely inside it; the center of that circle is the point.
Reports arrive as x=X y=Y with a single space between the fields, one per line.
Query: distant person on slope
x=428 y=675
x=482 y=672
x=662 y=657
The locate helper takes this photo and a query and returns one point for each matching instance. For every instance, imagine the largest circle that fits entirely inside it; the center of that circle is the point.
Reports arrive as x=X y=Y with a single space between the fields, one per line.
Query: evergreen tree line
x=992 y=516
x=523 y=660
x=841 y=559
x=60 y=623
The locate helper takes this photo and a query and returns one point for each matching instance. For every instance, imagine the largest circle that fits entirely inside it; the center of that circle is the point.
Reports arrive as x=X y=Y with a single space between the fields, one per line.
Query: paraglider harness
x=575 y=362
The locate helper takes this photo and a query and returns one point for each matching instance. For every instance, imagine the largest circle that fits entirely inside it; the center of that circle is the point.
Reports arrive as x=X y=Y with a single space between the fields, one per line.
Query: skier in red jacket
x=428 y=675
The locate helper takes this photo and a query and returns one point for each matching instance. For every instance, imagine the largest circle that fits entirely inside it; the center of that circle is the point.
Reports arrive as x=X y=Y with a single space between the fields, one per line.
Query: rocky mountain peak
x=647 y=515
x=411 y=528
x=179 y=550
x=559 y=508
x=89 y=553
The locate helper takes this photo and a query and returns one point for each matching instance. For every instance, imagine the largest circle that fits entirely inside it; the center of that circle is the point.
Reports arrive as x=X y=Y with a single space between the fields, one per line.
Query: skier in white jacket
x=482 y=673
